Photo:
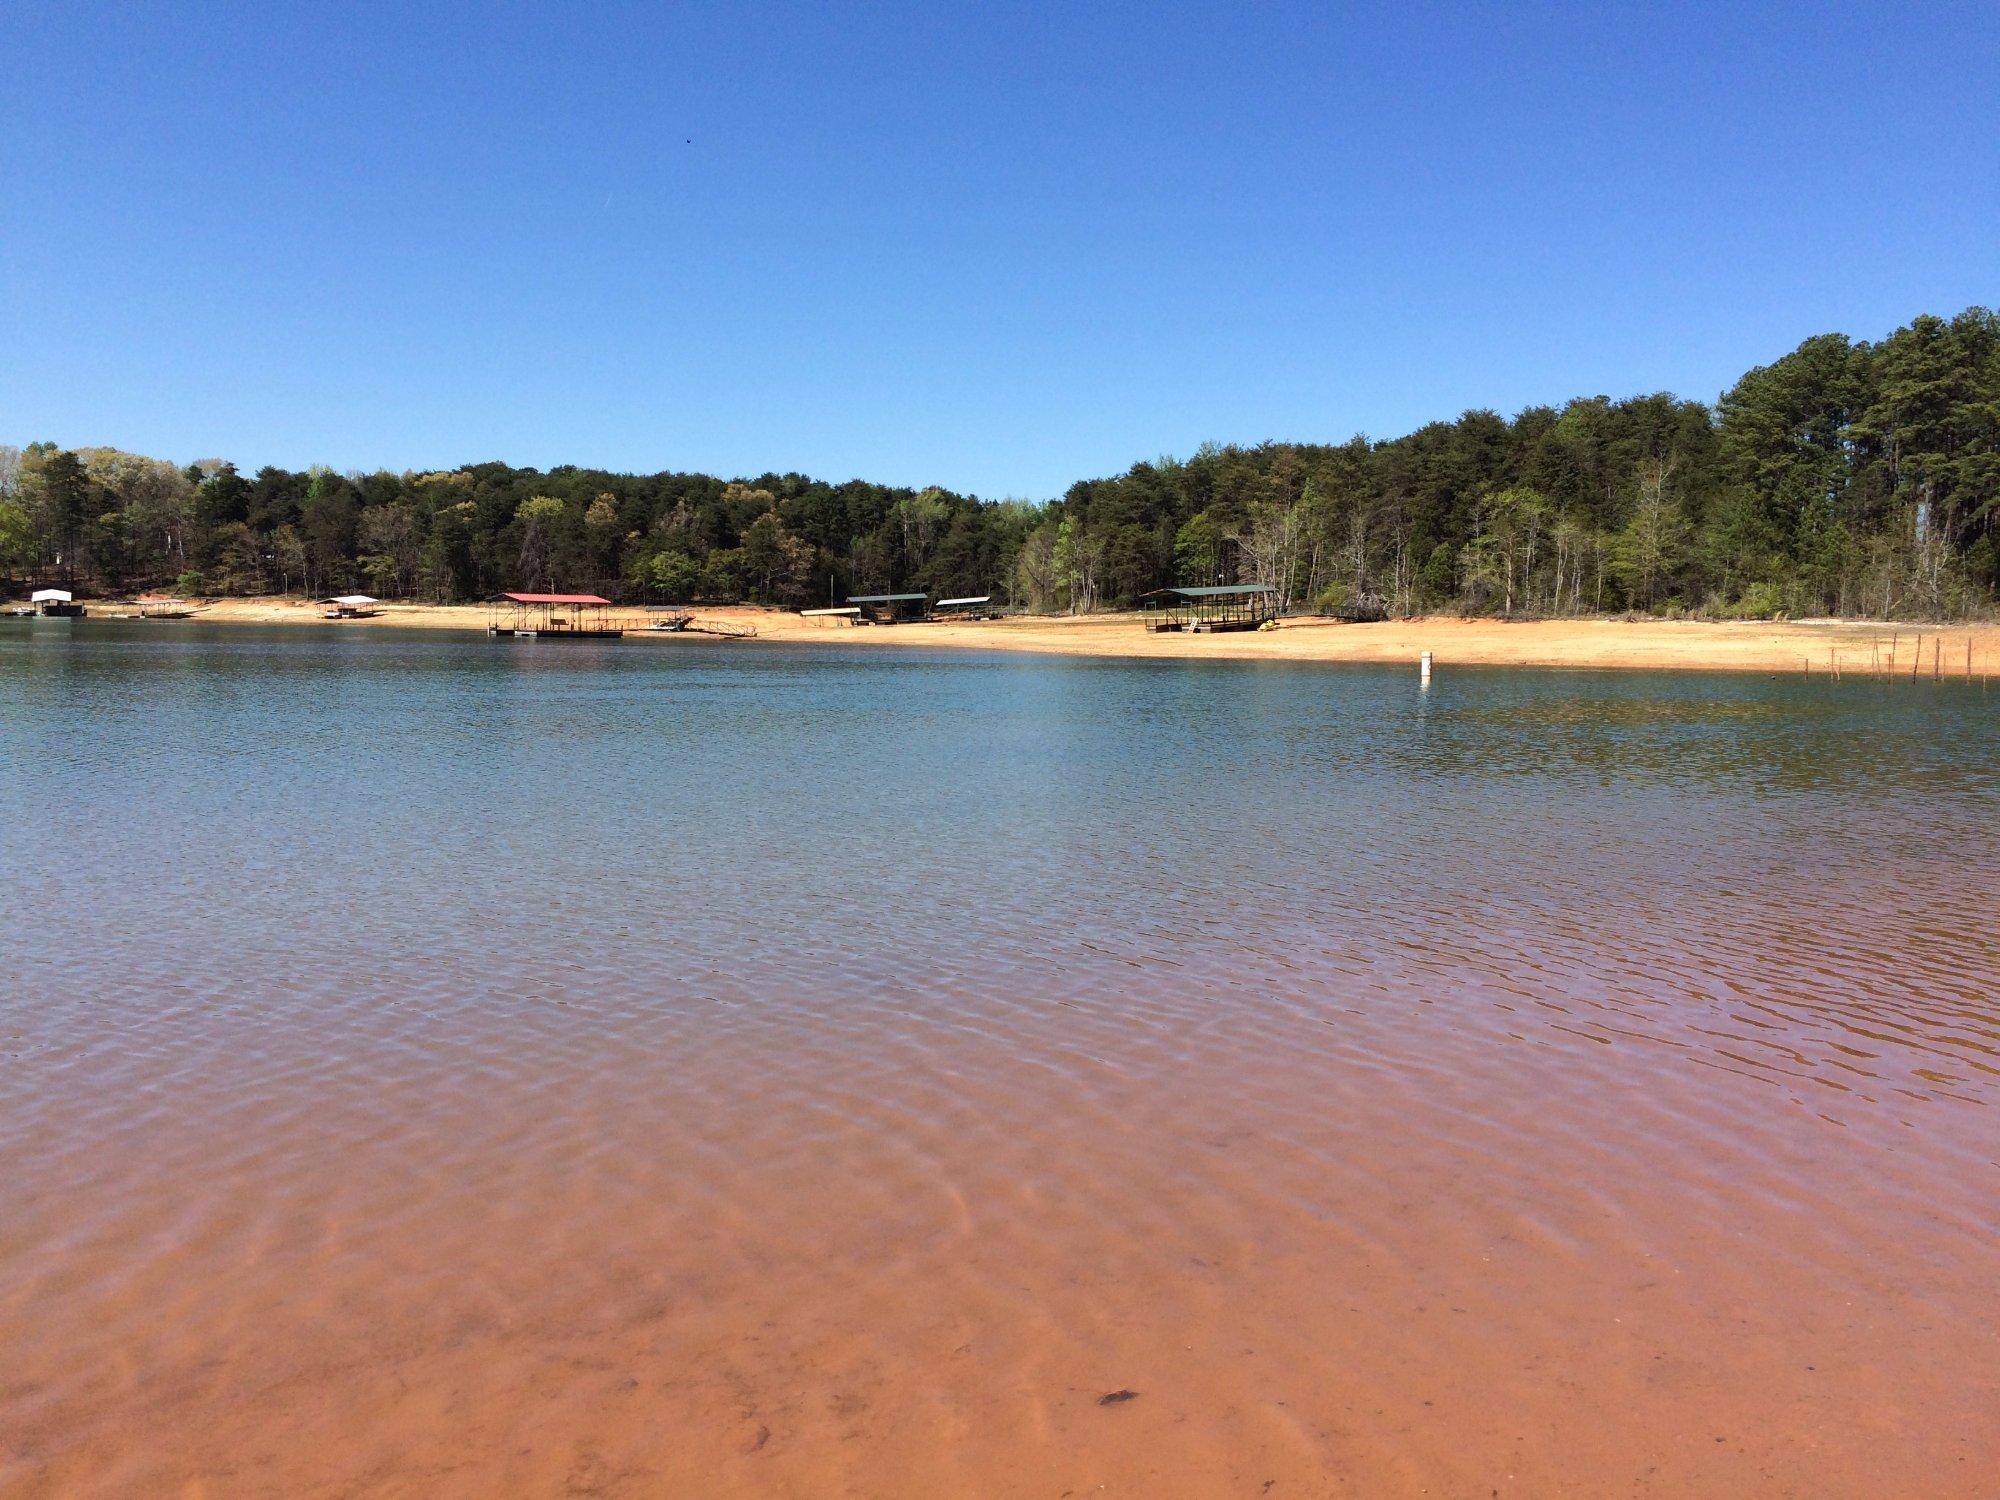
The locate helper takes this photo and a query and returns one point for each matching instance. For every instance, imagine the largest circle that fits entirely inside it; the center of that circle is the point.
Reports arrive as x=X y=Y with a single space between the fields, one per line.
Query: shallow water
x=437 y=1067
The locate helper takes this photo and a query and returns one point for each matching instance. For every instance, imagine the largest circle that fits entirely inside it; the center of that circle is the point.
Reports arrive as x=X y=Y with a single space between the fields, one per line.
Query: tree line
x=1844 y=478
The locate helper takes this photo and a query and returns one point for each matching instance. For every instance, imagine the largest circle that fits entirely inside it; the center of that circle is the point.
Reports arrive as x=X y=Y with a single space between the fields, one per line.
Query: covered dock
x=554 y=617
x=1213 y=607
x=972 y=607
x=56 y=604
x=351 y=607
x=889 y=609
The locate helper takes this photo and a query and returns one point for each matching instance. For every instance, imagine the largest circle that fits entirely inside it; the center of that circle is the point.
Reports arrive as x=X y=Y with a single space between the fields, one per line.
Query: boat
x=681 y=621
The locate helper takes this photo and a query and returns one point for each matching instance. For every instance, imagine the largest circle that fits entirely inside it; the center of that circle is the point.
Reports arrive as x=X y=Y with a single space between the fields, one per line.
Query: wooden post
x=1917 y=660
x=1833 y=663
x=1937 y=658
x=1968 y=658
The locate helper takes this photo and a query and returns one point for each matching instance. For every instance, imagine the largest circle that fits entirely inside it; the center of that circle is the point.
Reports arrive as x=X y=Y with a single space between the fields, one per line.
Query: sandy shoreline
x=1750 y=646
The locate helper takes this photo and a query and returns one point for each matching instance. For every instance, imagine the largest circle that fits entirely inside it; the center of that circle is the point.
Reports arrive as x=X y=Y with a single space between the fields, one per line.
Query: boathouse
x=889 y=609
x=1222 y=606
x=553 y=617
x=57 y=603
x=350 y=607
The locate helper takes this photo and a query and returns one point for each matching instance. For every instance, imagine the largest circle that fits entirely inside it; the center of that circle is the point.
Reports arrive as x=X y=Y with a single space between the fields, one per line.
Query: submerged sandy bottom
x=907 y=1259
x=1609 y=1153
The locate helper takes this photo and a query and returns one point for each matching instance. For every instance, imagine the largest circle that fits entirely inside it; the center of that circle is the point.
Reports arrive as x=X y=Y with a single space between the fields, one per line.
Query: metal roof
x=1214 y=590
x=555 y=598
x=974 y=599
x=884 y=598
x=353 y=599
x=51 y=596
x=829 y=611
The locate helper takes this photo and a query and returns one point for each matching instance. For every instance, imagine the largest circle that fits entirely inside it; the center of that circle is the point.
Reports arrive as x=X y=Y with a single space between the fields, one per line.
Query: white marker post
x=1424 y=669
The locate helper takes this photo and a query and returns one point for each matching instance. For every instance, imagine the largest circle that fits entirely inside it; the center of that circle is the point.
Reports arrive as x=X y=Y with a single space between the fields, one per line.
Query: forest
x=1844 y=478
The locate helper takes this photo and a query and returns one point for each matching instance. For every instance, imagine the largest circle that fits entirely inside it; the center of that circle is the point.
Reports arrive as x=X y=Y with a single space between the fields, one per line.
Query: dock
x=552 y=617
x=1201 y=610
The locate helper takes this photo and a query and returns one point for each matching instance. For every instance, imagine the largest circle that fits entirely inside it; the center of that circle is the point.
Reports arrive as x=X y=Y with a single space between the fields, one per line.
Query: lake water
x=438 y=1067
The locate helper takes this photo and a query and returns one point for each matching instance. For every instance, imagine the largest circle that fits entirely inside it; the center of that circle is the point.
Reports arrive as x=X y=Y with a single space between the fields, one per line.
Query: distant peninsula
x=1844 y=479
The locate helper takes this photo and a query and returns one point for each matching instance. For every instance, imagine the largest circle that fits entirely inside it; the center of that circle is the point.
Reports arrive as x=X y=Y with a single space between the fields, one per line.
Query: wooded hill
x=1843 y=478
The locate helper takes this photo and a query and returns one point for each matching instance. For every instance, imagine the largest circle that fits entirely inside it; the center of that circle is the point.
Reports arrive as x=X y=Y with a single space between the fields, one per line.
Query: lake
x=431 y=1066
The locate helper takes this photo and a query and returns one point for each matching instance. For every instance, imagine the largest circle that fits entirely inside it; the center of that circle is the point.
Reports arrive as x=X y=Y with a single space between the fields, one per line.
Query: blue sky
x=998 y=248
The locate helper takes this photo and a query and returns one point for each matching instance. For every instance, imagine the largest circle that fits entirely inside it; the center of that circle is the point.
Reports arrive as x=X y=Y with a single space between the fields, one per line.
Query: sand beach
x=1801 y=646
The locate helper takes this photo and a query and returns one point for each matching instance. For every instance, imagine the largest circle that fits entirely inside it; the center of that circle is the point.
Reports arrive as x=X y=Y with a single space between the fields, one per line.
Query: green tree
x=390 y=533
x=603 y=531
x=723 y=575
x=288 y=557
x=768 y=557
x=1074 y=560
x=65 y=493
x=17 y=539
x=1653 y=542
x=673 y=575
x=1198 y=550
x=1035 y=581
x=538 y=517
x=1513 y=524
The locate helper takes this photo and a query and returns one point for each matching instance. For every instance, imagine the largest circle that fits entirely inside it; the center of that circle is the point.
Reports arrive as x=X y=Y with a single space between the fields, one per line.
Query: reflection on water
x=432 y=1066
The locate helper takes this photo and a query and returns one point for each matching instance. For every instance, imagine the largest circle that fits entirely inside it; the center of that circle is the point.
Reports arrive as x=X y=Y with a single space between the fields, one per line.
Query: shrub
x=1758 y=601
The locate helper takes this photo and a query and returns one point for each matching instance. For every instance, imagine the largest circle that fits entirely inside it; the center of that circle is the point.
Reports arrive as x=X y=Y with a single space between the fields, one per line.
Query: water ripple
x=433 y=1067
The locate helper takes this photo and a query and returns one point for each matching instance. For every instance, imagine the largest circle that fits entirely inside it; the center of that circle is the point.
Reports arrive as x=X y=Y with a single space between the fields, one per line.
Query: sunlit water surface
x=437 y=1067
